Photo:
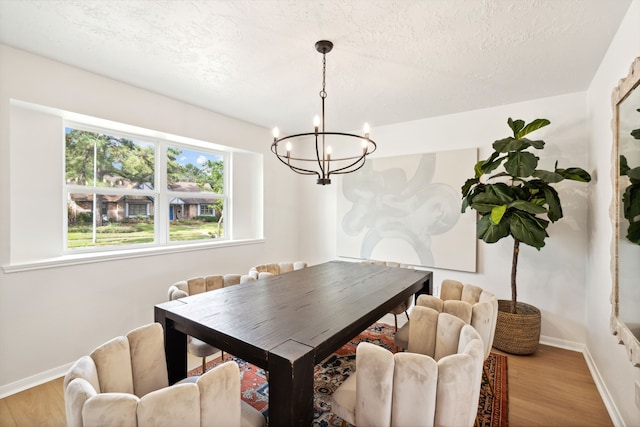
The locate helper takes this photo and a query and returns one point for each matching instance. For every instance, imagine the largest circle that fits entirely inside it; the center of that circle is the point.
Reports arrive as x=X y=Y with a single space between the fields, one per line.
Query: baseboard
x=616 y=417
x=33 y=381
x=612 y=409
x=567 y=345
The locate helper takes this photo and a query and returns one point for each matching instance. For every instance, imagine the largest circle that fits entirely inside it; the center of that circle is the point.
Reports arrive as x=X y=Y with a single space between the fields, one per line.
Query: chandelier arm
x=320 y=163
x=360 y=159
x=342 y=171
x=297 y=169
x=302 y=171
x=364 y=138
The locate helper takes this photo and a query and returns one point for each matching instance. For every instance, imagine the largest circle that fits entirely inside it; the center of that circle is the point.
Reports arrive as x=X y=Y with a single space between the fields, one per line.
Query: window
x=137 y=209
x=146 y=192
x=206 y=210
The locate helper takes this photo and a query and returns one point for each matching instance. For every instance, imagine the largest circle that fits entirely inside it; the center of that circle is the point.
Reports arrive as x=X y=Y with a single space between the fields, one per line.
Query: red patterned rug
x=492 y=409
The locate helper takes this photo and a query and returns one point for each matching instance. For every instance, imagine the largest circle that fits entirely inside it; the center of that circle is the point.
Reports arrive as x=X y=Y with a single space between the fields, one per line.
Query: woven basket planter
x=517 y=333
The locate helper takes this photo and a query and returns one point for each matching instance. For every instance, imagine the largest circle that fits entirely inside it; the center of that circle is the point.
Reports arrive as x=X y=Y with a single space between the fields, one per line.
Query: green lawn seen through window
x=121 y=234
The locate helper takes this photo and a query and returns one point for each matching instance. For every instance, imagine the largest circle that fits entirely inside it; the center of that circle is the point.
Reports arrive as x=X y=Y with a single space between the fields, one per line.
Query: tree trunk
x=514 y=271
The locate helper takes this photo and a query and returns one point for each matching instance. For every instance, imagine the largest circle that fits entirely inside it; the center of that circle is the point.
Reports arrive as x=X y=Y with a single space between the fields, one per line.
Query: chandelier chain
x=323 y=92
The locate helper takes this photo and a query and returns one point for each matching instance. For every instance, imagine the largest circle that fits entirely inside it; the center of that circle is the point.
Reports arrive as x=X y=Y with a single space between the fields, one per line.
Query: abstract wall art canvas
x=407 y=209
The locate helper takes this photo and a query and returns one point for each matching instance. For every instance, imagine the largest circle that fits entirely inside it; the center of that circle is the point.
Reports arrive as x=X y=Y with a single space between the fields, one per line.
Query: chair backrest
x=434 y=333
x=414 y=389
x=374 y=385
x=198 y=285
x=125 y=382
x=470 y=303
x=134 y=363
x=264 y=270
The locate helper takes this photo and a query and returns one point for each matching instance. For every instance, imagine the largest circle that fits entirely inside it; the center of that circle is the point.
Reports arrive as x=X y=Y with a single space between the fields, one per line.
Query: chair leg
x=395 y=318
x=486 y=374
x=406 y=314
x=204 y=365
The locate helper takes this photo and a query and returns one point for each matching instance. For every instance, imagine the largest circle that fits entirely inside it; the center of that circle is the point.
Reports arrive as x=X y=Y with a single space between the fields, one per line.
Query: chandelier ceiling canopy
x=320 y=152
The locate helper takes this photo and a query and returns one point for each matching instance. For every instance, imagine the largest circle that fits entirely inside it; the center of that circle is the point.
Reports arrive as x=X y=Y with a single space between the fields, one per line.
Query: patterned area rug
x=492 y=408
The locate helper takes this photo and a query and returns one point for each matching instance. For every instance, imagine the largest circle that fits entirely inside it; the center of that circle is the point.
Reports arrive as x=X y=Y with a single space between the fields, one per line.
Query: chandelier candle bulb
x=316 y=122
x=276 y=133
x=365 y=128
x=329 y=153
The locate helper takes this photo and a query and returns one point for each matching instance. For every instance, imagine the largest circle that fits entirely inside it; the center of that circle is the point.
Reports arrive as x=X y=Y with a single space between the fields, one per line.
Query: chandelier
x=310 y=153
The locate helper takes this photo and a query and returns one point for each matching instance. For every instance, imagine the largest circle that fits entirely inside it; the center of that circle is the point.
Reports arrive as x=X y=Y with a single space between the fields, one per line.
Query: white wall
x=610 y=358
x=552 y=279
x=49 y=317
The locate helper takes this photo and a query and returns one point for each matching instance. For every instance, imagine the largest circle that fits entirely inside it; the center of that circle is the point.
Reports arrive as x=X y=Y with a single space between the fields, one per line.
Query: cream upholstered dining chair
x=265 y=270
x=438 y=385
x=403 y=307
x=124 y=382
x=197 y=285
x=470 y=303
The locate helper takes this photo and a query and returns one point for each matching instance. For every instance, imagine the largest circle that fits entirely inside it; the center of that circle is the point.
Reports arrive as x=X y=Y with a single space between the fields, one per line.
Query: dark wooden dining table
x=288 y=323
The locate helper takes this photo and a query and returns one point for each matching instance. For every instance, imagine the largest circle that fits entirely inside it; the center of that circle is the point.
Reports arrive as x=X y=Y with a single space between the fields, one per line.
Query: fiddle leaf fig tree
x=518 y=201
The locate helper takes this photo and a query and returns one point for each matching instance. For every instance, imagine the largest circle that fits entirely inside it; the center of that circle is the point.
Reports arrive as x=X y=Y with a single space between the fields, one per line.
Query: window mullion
x=162 y=210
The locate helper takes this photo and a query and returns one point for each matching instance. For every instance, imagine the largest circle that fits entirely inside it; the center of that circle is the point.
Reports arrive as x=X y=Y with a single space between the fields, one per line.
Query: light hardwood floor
x=552 y=387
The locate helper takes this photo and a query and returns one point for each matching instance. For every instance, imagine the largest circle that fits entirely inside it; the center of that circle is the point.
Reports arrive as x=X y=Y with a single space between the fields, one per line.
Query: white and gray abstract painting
x=407 y=209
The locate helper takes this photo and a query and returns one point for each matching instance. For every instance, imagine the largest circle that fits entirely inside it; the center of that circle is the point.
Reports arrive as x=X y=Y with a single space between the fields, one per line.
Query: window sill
x=88 y=258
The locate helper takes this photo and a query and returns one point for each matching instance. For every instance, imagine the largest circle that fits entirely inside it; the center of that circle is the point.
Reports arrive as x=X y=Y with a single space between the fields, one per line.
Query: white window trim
x=95 y=257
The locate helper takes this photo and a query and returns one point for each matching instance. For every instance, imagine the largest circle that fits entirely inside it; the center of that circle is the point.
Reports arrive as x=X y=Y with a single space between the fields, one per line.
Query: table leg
x=291 y=385
x=175 y=348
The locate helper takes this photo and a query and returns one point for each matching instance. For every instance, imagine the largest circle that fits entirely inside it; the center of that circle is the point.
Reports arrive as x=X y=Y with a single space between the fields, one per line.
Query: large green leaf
x=553 y=202
x=521 y=164
x=523 y=192
x=509 y=144
x=575 y=174
x=498 y=175
x=634 y=173
x=490 y=232
x=539 y=144
x=624 y=166
x=515 y=125
x=631 y=202
x=534 y=125
x=467 y=186
x=483 y=208
x=635 y=133
x=501 y=191
x=550 y=177
x=523 y=205
x=465 y=204
x=633 y=232
x=528 y=229
x=497 y=213
x=488 y=165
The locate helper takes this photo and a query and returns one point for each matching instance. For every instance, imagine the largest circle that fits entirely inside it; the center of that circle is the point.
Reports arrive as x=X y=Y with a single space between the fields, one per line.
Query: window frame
x=161 y=194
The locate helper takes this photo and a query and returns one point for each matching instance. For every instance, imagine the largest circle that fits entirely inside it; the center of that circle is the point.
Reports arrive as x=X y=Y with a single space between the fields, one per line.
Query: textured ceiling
x=393 y=60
